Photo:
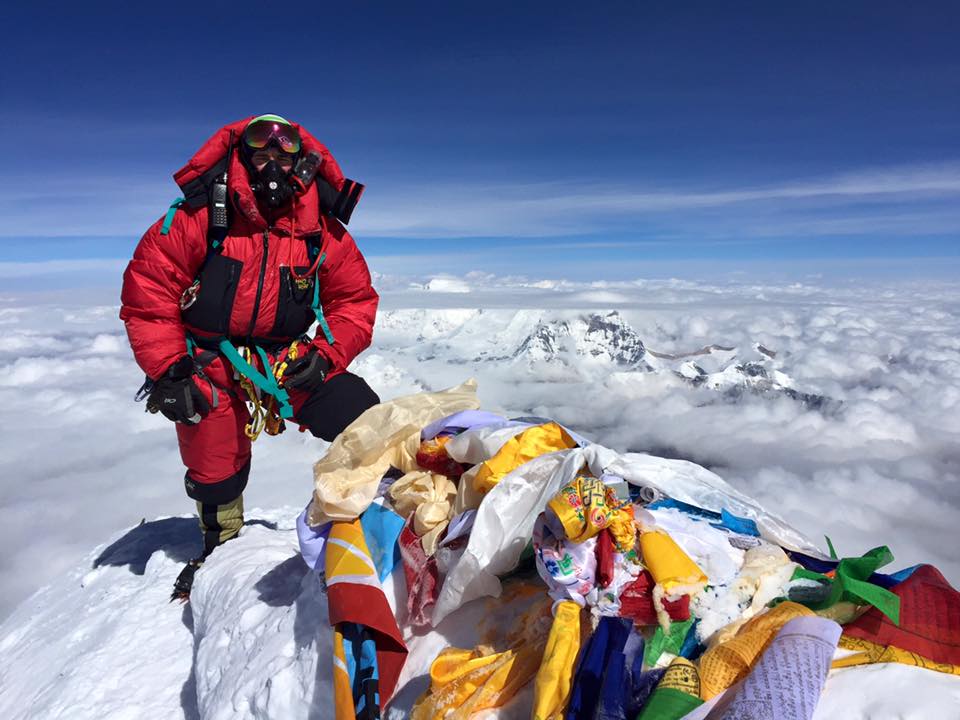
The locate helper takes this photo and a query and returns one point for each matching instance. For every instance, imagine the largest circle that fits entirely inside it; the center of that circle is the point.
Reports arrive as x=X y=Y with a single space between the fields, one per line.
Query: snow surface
x=103 y=641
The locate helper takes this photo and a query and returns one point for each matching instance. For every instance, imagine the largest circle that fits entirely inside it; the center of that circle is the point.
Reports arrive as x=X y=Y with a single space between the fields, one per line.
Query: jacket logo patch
x=302 y=283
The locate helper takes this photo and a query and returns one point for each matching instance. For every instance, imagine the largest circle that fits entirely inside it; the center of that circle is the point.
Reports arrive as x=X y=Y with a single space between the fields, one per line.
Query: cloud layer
x=80 y=460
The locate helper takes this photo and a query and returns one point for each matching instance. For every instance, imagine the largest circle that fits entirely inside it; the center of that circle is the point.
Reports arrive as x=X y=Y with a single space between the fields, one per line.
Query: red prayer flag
x=929 y=618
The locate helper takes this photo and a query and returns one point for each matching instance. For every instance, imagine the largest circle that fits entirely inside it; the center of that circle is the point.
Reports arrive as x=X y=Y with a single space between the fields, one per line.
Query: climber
x=218 y=299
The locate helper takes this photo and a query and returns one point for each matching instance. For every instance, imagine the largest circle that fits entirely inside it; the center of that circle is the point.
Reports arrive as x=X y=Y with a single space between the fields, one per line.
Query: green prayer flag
x=662 y=642
x=850 y=584
x=668 y=704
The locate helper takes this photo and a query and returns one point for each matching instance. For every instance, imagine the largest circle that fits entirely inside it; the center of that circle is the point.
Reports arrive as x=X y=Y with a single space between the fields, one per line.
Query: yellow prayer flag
x=729 y=662
x=555 y=676
x=670 y=566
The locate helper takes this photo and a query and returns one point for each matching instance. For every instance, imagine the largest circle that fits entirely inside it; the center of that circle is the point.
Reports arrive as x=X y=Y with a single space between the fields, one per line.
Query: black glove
x=306 y=373
x=177 y=396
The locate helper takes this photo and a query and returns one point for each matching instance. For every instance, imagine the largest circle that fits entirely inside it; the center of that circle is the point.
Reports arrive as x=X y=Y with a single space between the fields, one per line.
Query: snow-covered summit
x=593 y=338
x=103 y=642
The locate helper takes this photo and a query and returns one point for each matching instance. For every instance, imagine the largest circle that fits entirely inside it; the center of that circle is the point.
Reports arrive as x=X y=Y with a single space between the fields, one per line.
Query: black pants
x=336 y=404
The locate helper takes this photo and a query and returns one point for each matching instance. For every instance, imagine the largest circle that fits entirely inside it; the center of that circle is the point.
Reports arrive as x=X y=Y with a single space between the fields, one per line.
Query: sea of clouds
x=879 y=464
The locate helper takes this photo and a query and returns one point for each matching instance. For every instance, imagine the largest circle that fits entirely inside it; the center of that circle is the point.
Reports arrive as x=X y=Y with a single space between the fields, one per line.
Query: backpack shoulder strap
x=214 y=238
x=171 y=211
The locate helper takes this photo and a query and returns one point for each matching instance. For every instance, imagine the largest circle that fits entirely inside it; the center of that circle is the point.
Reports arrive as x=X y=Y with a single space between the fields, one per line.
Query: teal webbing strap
x=168 y=220
x=317 y=309
x=191 y=345
x=283 y=400
x=267 y=383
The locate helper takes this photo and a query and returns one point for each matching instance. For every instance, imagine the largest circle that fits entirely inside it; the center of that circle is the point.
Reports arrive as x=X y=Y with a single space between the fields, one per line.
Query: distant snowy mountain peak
x=576 y=346
x=545 y=343
x=612 y=332
x=607 y=339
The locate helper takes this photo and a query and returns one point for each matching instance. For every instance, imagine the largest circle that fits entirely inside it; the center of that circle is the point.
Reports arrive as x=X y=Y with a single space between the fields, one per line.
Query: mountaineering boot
x=184 y=581
x=218 y=523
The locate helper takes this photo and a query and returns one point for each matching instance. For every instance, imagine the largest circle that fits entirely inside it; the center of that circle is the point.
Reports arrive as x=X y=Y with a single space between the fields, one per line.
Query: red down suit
x=246 y=293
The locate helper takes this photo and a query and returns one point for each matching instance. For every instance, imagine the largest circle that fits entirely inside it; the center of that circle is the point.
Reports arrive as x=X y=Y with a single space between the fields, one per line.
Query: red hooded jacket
x=247 y=290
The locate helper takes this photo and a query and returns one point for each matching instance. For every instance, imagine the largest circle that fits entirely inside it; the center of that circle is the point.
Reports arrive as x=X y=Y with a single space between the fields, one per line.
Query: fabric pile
x=644 y=588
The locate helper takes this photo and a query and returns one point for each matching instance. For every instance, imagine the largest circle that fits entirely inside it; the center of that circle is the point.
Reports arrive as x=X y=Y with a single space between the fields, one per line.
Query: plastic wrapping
x=347 y=477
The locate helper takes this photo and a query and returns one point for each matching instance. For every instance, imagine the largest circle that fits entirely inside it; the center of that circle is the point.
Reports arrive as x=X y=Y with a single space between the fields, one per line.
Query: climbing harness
x=258 y=412
x=256 y=383
x=265 y=414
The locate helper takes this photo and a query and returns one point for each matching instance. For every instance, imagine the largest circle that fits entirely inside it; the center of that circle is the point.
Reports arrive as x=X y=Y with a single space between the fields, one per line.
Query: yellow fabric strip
x=507 y=678
x=555 y=676
x=670 y=566
x=343 y=708
x=463 y=682
x=531 y=443
x=868 y=652
x=452 y=664
x=729 y=662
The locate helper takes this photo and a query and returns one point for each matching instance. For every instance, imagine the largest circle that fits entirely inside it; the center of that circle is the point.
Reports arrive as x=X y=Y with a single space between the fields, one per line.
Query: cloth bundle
x=687 y=598
x=428 y=497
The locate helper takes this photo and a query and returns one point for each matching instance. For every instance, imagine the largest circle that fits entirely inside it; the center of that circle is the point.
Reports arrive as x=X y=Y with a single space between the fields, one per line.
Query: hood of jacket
x=305 y=209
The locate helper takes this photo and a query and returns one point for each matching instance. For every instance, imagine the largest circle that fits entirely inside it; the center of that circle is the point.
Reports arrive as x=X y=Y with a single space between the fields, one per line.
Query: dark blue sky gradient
x=459 y=116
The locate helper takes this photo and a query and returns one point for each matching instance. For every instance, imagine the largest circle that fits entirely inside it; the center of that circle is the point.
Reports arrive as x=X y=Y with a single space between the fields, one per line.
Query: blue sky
x=552 y=138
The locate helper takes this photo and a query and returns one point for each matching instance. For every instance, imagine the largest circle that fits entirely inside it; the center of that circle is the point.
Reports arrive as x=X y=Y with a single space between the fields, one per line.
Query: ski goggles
x=272 y=129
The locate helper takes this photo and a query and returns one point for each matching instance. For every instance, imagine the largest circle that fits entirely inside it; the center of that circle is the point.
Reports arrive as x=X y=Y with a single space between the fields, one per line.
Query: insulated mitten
x=177 y=396
x=306 y=373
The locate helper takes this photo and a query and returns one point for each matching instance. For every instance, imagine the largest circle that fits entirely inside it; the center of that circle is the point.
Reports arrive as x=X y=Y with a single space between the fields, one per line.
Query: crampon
x=184 y=581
